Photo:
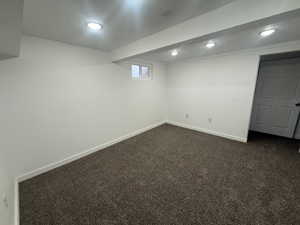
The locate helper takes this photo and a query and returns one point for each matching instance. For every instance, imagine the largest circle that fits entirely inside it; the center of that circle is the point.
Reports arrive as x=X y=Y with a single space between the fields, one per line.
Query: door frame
x=269 y=57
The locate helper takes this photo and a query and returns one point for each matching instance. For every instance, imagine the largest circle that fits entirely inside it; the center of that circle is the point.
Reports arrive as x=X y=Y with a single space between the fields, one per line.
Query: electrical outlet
x=5 y=200
x=187 y=116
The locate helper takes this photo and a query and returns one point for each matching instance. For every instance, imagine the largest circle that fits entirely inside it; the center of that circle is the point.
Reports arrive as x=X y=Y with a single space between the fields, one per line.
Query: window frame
x=140 y=66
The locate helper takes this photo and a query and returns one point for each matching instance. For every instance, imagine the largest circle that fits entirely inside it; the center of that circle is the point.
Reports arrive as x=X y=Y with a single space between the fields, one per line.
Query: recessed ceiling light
x=267 y=33
x=95 y=26
x=174 y=52
x=210 y=44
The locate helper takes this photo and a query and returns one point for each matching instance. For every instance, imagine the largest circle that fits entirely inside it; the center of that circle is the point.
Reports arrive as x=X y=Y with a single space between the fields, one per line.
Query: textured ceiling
x=124 y=21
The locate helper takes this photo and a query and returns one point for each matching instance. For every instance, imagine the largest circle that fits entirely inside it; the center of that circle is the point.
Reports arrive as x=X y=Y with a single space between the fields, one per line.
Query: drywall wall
x=11 y=27
x=59 y=100
x=6 y=193
x=215 y=94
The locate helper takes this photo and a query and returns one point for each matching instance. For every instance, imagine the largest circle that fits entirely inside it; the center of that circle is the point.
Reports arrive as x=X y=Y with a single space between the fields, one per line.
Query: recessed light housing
x=267 y=33
x=210 y=44
x=94 y=26
x=174 y=52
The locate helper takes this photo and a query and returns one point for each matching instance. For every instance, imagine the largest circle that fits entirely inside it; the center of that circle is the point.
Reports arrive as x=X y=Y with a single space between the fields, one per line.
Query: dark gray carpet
x=171 y=175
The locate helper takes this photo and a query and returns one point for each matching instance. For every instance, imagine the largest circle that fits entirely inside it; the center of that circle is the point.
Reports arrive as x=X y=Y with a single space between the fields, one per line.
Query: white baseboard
x=68 y=160
x=84 y=153
x=16 y=203
x=227 y=136
x=101 y=147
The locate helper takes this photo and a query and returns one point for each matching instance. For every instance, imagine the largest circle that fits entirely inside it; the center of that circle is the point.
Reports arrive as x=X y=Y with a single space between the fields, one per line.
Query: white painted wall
x=6 y=187
x=59 y=100
x=217 y=87
x=11 y=27
x=220 y=88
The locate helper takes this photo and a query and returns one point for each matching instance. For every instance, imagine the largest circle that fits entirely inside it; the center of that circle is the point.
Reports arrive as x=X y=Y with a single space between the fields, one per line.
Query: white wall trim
x=72 y=158
x=17 y=203
x=101 y=147
x=227 y=136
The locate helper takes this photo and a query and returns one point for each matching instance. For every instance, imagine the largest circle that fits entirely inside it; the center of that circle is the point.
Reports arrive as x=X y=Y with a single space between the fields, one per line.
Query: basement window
x=141 y=72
